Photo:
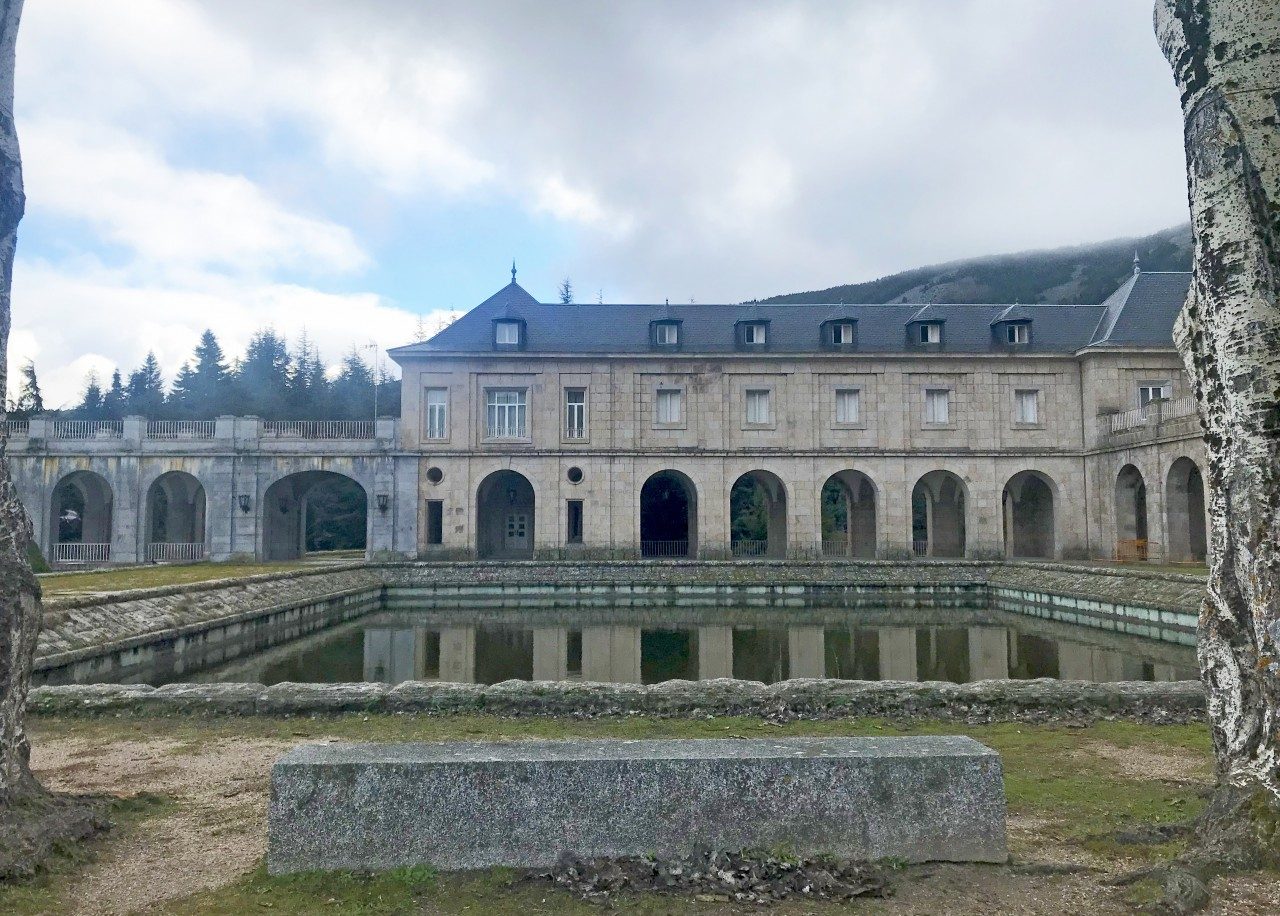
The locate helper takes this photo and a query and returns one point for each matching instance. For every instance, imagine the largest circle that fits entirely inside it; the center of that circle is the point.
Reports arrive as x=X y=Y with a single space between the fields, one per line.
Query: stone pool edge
x=1044 y=700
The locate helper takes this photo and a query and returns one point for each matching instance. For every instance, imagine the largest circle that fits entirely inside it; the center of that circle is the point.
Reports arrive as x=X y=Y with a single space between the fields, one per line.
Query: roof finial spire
x=513 y=270
x=1137 y=265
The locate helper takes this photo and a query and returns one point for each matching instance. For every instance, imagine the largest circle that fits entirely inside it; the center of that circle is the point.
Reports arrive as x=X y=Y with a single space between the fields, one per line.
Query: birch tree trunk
x=1225 y=56
x=19 y=590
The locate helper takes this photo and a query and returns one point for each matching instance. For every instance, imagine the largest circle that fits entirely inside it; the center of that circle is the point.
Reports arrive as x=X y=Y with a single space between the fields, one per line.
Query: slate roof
x=1139 y=314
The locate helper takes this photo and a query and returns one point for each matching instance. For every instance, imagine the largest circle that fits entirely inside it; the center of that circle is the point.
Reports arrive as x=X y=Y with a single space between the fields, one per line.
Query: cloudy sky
x=346 y=167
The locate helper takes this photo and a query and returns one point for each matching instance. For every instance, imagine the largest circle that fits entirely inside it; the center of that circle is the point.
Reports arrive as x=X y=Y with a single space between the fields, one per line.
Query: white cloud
x=63 y=319
x=173 y=218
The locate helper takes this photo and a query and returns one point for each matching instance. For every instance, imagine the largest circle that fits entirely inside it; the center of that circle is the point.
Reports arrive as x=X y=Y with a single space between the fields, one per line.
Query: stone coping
x=463 y=567
x=1041 y=700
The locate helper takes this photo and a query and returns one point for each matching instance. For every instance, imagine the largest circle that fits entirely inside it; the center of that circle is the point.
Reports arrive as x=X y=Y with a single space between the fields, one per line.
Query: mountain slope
x=1085 y=275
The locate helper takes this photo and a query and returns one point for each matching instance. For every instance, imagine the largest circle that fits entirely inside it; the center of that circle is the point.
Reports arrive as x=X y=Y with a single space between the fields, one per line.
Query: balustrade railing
x=920 y=548
x=87 y=429
x=664 y=549
x=165 y=552
x=181 y=429
x=80 y=554
x=318 y=429
x=1150 y=414
x=17 y=429
x=749 y=548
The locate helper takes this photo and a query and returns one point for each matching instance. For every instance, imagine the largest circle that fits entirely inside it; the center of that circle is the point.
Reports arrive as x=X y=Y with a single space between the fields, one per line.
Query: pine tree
x=308 y=384
x=144 y=392
x=113 y=400
x=30 y=402
x=353 y=389
x=566 y=291
x=262 y=377
x=203 y=388
x=91 y=403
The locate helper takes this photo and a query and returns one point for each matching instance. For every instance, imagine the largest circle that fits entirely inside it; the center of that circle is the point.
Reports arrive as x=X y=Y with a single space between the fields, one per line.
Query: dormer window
x=930 y=332
x=840 y=334
x=664 y=334
x=753 y=334
x=508 y=334
x=1019 y=333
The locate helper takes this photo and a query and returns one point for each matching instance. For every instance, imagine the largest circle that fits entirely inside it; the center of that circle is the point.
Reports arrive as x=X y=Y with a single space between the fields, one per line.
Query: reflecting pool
x=487 y=646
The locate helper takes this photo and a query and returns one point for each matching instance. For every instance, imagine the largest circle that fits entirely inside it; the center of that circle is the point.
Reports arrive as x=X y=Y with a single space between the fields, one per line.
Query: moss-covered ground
x=1070 y=791
x=115 y=580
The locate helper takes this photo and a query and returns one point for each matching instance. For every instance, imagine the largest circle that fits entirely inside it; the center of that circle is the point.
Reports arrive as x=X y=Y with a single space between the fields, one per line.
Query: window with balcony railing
x=506 y=413
x=575 y=413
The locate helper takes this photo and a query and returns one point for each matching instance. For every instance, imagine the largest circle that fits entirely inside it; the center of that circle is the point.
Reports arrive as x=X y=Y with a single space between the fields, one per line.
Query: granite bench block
x=462 y=805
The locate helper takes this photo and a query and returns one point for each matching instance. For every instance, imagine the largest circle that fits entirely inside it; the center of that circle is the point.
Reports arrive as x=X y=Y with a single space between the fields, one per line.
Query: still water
x=487 y=647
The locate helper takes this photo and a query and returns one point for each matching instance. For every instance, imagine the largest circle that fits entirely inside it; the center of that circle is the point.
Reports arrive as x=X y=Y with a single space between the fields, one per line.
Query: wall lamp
x=384 y=503
x=244 y=501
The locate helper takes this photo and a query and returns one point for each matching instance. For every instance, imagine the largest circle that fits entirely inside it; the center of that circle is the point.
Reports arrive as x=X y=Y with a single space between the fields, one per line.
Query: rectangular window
x=842 y=333
x=753 y=334
x=437 y=413
x=759 y=408
x=1149 y=393
x=937 y=405
x=666 y=335
x=573 y=532
x=1018 y=333
x=435 y=522
x=670 y=406
x=507 y=333
x=1026 y=406
x=575 y=413
x=848 y=405
x=930 y=333
x=506 y=414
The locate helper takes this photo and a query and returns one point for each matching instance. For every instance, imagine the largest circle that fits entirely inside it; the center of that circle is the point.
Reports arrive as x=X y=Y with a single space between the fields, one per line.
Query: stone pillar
x=611 y=654
x=550 y=653
x=715 y=652
x=1078 y=662
x=382 y=521
x=135 y=430
x=897 y=653
x=458 y=655
x=988 y=653
x=806 y=650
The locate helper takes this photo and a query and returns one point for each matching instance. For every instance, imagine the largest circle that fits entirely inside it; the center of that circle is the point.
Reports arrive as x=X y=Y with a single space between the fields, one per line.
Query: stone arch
x=80 y=519
x=174 y=520
x=1132 y=542
x=849 y=515
x=938 y=503
x=314 y=512
x=758 y=515
x=1028 y=504
x=1184 y=511
x=668 y=515
x=505 y=503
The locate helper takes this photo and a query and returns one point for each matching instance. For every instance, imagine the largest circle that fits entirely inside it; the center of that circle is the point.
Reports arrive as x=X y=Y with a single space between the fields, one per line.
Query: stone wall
x=176 y=630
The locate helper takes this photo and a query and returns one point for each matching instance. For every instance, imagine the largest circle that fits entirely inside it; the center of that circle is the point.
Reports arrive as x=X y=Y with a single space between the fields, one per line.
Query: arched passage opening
x=80 y=519
x=937 y=515
x=758 y=516
x=314 y=512
x=1184 y=505
x=1131 y=515
x=504 y=517
x=1028 y=516
x=175 y=519
x=668 y=516
x=849 y=515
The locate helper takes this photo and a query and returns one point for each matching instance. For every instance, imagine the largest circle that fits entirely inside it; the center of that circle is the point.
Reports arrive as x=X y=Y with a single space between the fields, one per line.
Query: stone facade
x=635 y=452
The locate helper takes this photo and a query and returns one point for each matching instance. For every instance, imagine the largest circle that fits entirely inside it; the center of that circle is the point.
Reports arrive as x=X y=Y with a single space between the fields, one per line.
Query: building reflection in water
x=630 y=654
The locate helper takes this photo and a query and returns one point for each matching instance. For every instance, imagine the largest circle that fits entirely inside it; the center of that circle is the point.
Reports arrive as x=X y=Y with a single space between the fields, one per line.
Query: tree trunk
x=1225 y=56
x=19 y=591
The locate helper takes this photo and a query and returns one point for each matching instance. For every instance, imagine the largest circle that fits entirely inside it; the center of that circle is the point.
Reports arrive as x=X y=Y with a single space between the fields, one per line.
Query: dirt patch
x=1145 y=763
x=217 y=834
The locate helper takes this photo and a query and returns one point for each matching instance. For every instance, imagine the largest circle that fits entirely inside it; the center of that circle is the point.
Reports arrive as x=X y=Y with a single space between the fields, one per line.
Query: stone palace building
x=533 y=430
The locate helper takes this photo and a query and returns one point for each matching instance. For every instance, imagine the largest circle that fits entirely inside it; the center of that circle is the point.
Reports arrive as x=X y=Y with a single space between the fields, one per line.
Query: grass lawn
x=115 y=580
x=194 y=843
